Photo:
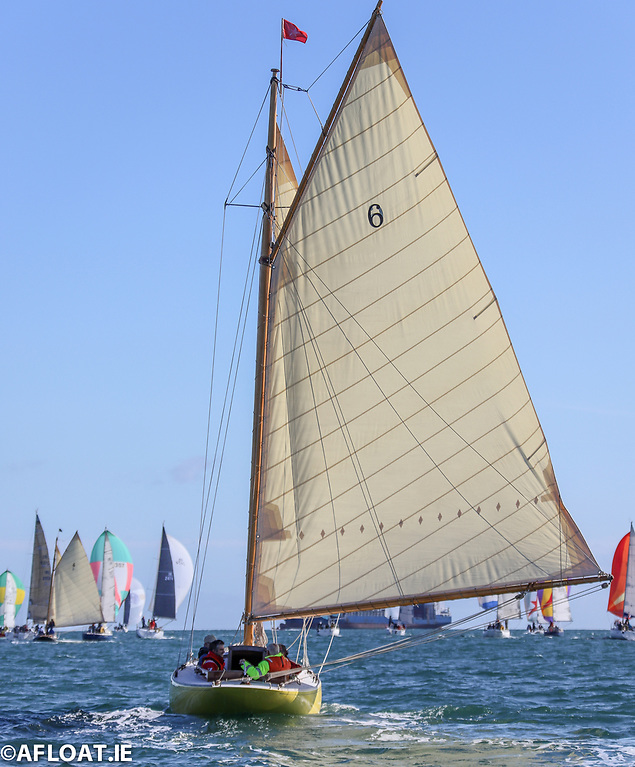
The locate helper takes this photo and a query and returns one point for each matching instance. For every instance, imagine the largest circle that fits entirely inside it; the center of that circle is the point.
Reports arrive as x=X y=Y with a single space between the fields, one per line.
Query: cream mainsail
x=74 y=597
x=402 y=460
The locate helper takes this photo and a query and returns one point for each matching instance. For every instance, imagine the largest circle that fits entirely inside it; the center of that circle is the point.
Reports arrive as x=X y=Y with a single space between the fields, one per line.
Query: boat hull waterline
x=191 y=693
x=150 y=633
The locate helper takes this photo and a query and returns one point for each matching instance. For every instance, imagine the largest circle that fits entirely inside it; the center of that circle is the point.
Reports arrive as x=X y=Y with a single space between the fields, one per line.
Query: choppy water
x=460 y=701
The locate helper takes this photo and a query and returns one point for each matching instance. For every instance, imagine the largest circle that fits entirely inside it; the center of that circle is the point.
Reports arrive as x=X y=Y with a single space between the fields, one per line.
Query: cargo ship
x=429 y=616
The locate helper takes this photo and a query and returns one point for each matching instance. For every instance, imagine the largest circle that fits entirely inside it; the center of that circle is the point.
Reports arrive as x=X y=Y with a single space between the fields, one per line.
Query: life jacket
x=212 y=662
x=278 y=663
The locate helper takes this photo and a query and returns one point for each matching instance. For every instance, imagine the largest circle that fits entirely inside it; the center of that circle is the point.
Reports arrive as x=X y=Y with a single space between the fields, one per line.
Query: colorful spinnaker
x=11 y=597
x=622 y=591
x=112 y=568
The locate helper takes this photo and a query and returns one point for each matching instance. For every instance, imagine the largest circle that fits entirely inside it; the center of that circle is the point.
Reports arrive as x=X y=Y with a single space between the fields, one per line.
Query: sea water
x=460 y=701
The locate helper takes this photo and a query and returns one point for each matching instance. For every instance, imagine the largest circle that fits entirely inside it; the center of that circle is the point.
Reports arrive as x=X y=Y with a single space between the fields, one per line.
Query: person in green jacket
x=275 y=660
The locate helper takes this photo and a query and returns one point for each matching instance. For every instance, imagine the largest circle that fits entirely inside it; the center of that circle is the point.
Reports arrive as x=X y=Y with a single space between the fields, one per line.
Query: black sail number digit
x=375 y=216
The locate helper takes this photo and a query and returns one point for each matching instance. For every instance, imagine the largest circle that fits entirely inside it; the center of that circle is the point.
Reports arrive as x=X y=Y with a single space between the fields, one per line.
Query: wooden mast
x=261 y=354
x=53 y=567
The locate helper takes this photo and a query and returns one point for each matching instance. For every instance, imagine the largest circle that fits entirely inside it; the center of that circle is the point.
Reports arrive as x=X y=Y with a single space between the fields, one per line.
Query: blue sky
x=123 y=125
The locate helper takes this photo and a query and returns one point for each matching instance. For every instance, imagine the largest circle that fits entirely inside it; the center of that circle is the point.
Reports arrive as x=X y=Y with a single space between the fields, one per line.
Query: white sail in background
x=402 y=459
x=508 y=607
x=183 y=568
x=75 y=598
x=137 y=603
x=109 y=602
x=392 y=613
x=561 y=607
x=629 y=586
x=175 y=573
x=9 y=604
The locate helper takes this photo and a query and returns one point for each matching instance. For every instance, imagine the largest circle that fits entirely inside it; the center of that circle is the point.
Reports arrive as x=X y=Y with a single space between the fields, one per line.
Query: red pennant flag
x=291 y=32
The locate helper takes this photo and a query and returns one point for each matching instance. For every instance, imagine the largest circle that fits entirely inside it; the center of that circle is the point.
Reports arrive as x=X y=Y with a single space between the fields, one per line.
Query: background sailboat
x=397 y=457
x=40 y=587
x=133 y=604
x=395 y=625
x=174 y=578
x=533 y=614
x=622 y=592
x=12 y=595
x=554 y=605
x=507 y=608
x=74 y=599
x=112 y=567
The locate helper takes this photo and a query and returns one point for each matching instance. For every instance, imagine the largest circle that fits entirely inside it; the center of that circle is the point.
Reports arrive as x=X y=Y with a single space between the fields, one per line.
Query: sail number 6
x=375 y=216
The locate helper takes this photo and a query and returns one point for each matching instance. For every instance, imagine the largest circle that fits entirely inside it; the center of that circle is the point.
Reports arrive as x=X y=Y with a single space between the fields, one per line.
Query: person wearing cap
x=206 y=643
x=275 y=660
x=213 y=660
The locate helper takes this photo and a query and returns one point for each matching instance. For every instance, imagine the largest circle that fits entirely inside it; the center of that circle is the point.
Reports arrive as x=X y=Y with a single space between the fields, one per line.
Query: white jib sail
x=8 y=607
x=402 y=457
x=561 y=607
x=137 y=602
x=508 y=607
x=109 y=602
x=183 y=569
x=629 y=588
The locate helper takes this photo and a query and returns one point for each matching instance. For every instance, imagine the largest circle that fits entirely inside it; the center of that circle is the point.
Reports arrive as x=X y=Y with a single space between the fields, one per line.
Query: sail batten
x=402 y=460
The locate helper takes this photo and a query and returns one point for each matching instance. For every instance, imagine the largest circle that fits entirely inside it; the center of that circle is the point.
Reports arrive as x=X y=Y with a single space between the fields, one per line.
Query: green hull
x=235 y=699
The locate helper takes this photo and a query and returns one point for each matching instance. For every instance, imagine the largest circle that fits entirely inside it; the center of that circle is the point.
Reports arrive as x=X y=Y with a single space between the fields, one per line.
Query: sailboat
x=534 y=614
x=39 y=590
x=112 y=567
x=622 y=592
x=174 y=578
x=507 y=608
x=554 y=604
x=74 y=599
x=328 y=628
x=395 y=626
x=133 y=604
x=12 y=595
x=397 y=457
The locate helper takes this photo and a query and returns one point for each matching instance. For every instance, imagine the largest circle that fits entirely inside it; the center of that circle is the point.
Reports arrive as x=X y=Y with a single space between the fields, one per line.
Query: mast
x=325 y=131
x=261 y=353
x=53 y=566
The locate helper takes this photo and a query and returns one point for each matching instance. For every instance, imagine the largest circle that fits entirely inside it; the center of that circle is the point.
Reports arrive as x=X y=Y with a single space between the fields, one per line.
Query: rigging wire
x=445 y=632
x=213 y=474
x=225 y=417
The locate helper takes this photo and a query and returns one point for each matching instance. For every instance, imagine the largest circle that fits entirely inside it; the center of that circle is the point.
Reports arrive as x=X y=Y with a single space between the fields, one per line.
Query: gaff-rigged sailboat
x=174 y=578
x=397 y=456
x=622 y=593
x=74 y=599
